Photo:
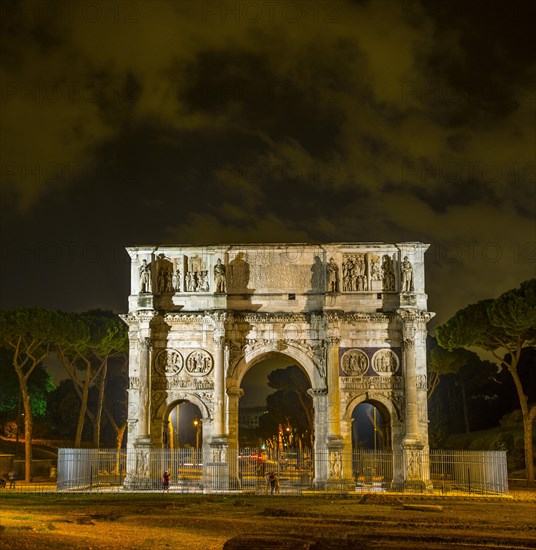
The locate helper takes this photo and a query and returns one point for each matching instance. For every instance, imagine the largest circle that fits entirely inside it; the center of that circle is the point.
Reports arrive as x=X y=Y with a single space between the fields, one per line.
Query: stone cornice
x=137 y=317
x=229 y=317
x=415 y=315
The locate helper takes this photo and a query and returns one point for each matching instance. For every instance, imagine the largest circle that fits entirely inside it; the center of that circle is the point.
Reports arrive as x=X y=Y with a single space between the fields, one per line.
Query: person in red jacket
x=165 y=482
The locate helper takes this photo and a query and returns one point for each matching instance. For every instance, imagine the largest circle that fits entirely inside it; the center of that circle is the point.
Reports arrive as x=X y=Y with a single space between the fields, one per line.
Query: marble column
x=320 y=406
x=216 y=468
x=410 y=376
x=414 y=448
x=145 y=347
x=219 y=385
x=334 y=412
x=234 y=395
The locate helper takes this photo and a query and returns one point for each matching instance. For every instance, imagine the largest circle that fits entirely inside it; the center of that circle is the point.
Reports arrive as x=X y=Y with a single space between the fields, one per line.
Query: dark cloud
x=178 y=122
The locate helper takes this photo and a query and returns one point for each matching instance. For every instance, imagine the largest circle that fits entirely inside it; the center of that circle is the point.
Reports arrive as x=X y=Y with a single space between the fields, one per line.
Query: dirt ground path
x=53 y=521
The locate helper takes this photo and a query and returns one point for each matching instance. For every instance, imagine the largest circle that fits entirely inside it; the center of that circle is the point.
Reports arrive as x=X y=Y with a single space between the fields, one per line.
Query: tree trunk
x=119 y=443
x=528 y=417
x=433 y=382
x=100 y=403
x=465 y=416
x=28 y=425
x=529 y=451
x=82 y=414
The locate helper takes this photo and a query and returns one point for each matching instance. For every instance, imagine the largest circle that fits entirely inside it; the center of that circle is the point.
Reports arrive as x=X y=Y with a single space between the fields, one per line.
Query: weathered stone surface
x=352 y=315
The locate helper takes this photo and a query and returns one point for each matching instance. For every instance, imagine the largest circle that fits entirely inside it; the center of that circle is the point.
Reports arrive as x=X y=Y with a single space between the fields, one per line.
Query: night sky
x=148 y=122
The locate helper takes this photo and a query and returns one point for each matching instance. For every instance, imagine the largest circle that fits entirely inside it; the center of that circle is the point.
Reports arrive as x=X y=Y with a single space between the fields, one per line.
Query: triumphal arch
x=352 y=315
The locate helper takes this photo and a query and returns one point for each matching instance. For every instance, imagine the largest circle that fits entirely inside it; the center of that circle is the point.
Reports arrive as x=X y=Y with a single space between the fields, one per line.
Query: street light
x=197 y=424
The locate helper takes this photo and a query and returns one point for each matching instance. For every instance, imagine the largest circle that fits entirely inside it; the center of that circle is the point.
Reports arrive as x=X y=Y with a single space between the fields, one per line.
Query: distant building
x=248 y=417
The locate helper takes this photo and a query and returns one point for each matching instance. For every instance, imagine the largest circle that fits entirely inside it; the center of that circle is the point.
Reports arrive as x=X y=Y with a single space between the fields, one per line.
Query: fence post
x=469 y=479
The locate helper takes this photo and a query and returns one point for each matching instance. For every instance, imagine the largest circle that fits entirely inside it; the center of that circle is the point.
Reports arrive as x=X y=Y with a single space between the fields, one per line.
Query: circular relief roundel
x=199 y=363
x=385 y=362
x=354 y=362
x=168 y=362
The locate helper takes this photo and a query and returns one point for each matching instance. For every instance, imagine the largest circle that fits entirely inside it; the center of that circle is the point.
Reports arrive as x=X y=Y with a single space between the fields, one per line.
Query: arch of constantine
x=352 y=316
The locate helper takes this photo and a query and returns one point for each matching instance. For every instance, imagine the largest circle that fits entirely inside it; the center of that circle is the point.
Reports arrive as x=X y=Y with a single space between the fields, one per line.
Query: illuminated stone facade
x=351 y=315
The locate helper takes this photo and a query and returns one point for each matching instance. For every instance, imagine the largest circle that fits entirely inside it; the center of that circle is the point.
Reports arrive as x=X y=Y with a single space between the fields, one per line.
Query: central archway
x=290 y=450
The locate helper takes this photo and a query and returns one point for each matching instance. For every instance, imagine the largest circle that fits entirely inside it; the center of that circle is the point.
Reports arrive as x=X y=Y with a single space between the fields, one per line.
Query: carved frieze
x=168 y=362
x=182 y=382
x=398 y=400
x=385 y=362
x=335 y=464
x=355 y=273
x=164 y=278
x=408 y=299
x=196 y=276
x=354 y=362
x=388 y=274
x=371 y=382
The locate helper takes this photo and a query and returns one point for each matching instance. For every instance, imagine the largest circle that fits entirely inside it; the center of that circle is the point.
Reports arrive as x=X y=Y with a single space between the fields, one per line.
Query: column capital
x=219 y=338
x=408 y=343
x=235 y=392
x=333 y=339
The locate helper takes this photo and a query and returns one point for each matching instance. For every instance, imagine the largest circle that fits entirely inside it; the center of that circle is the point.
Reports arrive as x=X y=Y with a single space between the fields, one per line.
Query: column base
x=416 y=466
x=339 y=479
x=138 y=477
x=216 y=470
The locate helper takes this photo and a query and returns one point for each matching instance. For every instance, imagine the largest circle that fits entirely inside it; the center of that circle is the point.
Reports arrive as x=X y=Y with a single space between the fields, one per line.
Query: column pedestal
x=216 y=468
x=139 y=470
x=338 y=479
x=413 y=457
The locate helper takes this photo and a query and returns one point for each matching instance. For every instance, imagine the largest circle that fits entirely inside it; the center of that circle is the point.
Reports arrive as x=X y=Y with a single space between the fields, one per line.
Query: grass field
x=54 y=521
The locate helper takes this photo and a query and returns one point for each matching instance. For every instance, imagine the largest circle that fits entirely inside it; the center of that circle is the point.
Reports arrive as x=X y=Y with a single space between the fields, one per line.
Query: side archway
x=389 y=414
x=163 y=411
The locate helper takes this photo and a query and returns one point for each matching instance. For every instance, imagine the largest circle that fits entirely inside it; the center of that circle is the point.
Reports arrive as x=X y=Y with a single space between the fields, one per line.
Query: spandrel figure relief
x=375 y=269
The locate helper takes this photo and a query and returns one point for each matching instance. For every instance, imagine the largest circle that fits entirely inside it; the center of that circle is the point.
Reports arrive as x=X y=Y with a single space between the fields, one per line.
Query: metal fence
x=444 y=472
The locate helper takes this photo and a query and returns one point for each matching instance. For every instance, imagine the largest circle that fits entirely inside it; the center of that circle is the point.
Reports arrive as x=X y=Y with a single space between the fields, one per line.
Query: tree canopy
x=29 y=334
x=290 y=406
x=502 y=326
